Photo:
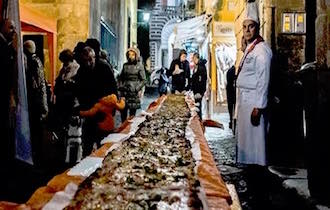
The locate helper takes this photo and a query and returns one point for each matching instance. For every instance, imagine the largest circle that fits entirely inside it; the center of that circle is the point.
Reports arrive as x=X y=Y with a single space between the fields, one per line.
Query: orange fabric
x=209 y=176
x=106 y=105
x=36 y=18
x=41 y=197
x=13 y=206
x=59 y=182
x=208 y=172
x=216 y=203
x=102 y=152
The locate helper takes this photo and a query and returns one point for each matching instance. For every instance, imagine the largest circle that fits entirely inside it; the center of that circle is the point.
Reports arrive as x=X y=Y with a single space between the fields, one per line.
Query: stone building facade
x=162 y=14
x=79 y=19
x=114 y=23
x=322 y=26
x=71 y=17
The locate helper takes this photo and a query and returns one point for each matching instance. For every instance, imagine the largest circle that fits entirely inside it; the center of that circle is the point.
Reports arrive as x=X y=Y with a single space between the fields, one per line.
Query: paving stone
x=301 y=185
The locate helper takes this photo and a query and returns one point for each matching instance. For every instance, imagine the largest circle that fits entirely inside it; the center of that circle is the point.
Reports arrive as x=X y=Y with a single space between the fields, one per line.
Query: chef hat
x=251 y=12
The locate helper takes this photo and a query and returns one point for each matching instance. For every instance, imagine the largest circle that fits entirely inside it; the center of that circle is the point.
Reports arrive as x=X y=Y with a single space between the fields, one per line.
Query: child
x=105 y=107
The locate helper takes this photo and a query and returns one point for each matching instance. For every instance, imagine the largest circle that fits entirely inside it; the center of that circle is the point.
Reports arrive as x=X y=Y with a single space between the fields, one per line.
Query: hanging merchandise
x=225 y=54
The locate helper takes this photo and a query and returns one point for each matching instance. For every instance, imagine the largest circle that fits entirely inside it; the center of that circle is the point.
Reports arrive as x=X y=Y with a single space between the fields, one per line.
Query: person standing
x=252 y=83
x=65 y=93
x=198 y=81
x=106 y=83
x=94 y=81
x=231 y=93
x=7 y=64
x=37 y=98
x=180 y=72
x=163 y=82
x=131 y=81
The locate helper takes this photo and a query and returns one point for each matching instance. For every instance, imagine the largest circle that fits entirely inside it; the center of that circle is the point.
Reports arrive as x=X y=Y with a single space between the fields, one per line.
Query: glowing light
x=146 y=17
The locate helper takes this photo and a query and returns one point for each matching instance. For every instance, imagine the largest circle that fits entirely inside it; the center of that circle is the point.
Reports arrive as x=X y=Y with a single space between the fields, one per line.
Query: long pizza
x=153 y=169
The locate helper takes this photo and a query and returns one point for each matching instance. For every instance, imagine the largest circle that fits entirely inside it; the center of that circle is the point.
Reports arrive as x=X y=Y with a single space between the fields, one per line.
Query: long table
x=217 y=194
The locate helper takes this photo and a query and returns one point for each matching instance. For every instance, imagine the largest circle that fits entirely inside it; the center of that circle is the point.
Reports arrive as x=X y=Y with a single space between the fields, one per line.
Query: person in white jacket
x=252 y=87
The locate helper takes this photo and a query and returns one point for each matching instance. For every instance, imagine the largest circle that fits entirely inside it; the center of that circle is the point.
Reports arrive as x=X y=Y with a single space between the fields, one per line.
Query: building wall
x=72 y=20
x=79 y=19
x=159 y=18
x=322 y=27
x=130 y=12
x=111 y=13
x=290 y=48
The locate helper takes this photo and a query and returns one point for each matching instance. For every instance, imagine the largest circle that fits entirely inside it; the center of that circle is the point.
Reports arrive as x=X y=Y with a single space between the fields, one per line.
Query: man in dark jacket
x=231 y=93
x=180 y=72
x=37 y=98
x=198 y=81
x=94 y=81
x=107 y=83
x=7 y=65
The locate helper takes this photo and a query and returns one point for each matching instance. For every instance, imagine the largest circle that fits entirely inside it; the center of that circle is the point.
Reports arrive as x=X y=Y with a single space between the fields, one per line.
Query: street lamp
x=146 y=16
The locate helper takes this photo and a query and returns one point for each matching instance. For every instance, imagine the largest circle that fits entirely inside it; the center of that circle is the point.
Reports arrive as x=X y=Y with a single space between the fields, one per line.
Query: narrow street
x=223 y=146
x=79 y=78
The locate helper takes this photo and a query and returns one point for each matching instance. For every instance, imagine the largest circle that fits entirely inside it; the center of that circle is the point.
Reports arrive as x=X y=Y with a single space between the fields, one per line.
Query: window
x=109 y=42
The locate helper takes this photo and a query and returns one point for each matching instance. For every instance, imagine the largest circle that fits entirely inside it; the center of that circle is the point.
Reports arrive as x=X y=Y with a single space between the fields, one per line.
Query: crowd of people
x=80 y=110
x=87 y=95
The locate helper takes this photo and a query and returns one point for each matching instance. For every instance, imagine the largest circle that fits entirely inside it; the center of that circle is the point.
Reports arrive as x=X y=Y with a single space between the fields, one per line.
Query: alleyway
x=223 y=146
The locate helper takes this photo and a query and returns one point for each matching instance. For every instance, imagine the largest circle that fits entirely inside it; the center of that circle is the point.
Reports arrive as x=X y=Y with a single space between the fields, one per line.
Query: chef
x=252 y=88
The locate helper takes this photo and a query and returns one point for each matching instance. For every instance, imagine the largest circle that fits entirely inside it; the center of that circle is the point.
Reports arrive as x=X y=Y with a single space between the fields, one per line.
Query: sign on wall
x=300 y=23
x=294 y=22
x=223 y=29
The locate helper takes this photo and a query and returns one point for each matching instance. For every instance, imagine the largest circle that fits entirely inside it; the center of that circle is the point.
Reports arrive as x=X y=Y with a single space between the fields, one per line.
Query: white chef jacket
x=252 y=84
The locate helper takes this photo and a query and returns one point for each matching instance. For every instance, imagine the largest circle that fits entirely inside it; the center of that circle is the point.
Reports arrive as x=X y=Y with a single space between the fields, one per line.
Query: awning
x=192 y=29
x=34 y=21
x=35 y=18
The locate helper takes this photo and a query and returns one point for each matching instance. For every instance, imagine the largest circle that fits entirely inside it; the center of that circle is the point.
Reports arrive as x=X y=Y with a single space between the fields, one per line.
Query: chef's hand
x=255 y=117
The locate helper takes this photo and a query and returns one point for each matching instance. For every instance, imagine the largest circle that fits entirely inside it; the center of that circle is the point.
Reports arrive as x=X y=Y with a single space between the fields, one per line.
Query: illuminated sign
x=294 y=22
x=288 y=22
x=300 y=23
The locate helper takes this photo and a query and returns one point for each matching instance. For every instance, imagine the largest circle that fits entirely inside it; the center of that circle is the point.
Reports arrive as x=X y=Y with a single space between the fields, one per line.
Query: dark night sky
x=146 y=4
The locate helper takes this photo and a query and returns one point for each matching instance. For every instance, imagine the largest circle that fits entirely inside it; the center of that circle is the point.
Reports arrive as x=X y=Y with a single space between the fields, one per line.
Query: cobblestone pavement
x=223 y=146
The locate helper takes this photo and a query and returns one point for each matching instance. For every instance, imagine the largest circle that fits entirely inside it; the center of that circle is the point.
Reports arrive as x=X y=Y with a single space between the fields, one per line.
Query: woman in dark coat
x=198 y=81
x=180 y=72
x=131 y=81
x=65 y=90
